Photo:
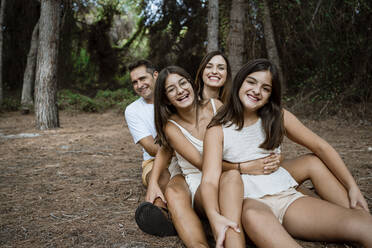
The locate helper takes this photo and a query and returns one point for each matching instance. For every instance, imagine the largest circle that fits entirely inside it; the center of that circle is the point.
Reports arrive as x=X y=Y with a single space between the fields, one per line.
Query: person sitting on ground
x=139 y=116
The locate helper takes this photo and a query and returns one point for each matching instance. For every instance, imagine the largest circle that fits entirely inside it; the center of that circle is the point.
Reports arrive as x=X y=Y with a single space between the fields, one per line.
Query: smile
x=183 y=98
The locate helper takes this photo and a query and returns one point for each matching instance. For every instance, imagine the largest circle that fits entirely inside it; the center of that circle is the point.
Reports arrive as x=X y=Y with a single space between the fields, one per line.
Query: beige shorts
x=174 y=169
x=280 y=202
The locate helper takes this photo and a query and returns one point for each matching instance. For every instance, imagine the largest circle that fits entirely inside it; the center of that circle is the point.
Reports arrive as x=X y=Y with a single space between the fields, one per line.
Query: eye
x=208 y=66
x=267 y=89
x=252 y=82
x=222 y=68
x=183 y=83
x=170 y=90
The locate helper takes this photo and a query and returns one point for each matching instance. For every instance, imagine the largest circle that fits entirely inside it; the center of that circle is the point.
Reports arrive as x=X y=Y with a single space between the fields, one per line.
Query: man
x=139 y=116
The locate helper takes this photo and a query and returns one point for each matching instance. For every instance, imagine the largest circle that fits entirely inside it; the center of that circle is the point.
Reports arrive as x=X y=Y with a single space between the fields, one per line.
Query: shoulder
x=217 y=102
x=214 y=134
x=136 y=108
x=288 y=117
x=133 y=106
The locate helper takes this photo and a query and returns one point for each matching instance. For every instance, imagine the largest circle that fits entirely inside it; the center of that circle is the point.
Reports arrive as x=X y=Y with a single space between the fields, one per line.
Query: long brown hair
x=163 y=108
x=271 y=113
x=199 y=76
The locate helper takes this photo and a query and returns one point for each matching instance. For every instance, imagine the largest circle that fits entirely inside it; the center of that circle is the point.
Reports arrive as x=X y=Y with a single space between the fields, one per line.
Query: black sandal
x=150 y=219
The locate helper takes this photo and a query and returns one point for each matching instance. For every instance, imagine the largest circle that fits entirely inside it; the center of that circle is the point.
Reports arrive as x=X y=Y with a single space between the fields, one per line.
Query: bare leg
x=315 y=219
x=263 y=228
x=231 y=203
x=326 y=184
x=185 y=220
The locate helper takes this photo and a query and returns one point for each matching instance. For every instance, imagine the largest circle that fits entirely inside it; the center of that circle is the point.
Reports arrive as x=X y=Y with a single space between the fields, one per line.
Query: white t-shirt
x=139 y=116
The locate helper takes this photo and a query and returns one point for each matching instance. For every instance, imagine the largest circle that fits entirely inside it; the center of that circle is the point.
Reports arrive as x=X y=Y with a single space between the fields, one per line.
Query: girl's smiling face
x=256 y=90
x=179 y=91
x=215 y=72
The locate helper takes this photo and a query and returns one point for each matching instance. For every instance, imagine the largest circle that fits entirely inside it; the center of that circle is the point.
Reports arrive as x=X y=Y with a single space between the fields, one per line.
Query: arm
x=148 y=143
x=209 y=187
x=300 y=134
x=161 y=161
x=266 y=165
x=180 y=143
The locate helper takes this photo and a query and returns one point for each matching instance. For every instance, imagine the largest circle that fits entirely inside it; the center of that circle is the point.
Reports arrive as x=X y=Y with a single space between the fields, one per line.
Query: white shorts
x=280 y=202
x=173 y=168
x=193 y=180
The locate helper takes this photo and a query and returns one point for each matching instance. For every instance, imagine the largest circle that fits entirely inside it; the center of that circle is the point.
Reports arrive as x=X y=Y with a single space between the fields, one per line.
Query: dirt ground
x=79 y=185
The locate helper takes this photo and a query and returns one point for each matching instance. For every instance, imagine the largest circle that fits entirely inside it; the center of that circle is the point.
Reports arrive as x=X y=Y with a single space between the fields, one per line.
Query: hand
x=153 y=192
x=220 y=225
x=262 y=166
x=356 y=199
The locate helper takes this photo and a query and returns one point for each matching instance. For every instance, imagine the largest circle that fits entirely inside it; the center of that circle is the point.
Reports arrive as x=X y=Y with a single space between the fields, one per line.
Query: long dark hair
x=163 y=108
x=271 y=113
x=199 y=76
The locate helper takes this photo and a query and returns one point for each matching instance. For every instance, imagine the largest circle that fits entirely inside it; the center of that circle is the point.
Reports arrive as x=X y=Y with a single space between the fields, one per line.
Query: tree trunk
x=212 y=26
x=46 y=109
x=2 y=18
x=235 y=41
x=272 y=51
x=29 y=76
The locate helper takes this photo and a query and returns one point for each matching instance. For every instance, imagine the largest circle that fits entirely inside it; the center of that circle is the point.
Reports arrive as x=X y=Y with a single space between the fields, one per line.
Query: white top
x=243 y=145
x=186 y=167
x=139 y=116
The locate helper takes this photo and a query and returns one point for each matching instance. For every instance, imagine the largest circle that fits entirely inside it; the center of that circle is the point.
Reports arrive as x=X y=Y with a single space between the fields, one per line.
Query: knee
x=252 y=217
x=231 y=177
x=313 y=163
x=174 y=195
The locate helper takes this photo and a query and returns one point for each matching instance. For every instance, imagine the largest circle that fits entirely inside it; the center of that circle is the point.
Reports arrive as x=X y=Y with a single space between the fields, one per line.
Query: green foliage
x=68 y=100
x=105 y=99
x=10 y=104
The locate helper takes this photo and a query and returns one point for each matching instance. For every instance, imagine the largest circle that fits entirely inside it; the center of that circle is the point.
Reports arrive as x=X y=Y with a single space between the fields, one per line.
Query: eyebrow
x=182 y=78
x=267 y=84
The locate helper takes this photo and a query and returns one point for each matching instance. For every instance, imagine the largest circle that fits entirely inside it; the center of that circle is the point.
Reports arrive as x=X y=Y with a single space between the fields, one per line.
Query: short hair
x=150 y=68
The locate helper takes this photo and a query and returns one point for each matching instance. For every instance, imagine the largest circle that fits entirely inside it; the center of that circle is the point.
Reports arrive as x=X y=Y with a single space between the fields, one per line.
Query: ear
x=155 y=75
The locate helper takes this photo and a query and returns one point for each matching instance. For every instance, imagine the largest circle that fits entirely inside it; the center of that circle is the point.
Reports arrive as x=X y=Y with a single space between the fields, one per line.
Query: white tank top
x=186 y=167
x=243 y=145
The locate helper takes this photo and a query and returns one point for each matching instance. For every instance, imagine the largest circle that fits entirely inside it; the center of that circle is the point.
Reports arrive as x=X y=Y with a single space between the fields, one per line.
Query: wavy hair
x=271 y=113
x=199 y=76
x=163 y=108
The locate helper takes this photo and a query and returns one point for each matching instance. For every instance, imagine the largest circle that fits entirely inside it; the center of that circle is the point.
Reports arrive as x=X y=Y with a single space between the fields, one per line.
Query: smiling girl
x=251 y=125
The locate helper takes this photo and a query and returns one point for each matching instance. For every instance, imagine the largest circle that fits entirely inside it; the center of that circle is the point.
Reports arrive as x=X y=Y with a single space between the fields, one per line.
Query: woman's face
x=256 y=90
x=215 y=72
x=179 y=91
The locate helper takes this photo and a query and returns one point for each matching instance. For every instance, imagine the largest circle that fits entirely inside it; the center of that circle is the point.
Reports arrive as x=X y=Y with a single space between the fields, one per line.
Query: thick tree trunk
x=2 y=17
x=46 y=109
x=29 y=77
x=212 y=26
x=272 y=51
x=235 y=42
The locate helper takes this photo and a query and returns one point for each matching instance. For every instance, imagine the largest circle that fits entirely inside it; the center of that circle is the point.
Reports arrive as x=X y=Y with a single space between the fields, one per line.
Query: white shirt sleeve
x=137 y=125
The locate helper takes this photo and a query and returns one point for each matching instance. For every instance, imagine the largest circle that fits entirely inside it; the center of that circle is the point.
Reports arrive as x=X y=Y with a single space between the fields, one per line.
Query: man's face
x=143 y=82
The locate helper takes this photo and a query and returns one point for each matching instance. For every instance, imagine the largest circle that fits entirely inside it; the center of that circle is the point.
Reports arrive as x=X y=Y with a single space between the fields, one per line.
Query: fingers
x=161 y=196
x=221 y=238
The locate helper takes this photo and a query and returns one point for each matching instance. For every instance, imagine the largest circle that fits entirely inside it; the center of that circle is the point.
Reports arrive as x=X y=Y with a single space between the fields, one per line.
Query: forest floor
x=79 y=185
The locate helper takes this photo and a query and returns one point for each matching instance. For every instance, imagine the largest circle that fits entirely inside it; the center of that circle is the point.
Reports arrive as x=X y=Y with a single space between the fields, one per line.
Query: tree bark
x=272 y=51
x=235 y=41
x=2 y=18
x=46 y=109
x=212 y=26
x=29 y=77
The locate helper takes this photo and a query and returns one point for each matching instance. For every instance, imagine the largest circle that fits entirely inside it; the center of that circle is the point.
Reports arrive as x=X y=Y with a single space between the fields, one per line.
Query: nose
x=214 y=69
x=179 y=89
x=256 y=90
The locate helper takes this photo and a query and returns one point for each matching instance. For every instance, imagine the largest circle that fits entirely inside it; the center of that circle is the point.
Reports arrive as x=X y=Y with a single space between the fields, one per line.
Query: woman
x=252 y=125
